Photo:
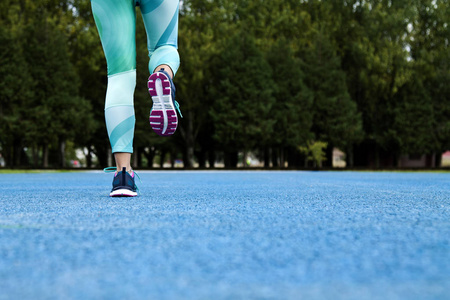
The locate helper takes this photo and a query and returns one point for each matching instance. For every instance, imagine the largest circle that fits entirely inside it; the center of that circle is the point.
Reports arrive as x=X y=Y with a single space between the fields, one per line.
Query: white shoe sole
x=123 y=193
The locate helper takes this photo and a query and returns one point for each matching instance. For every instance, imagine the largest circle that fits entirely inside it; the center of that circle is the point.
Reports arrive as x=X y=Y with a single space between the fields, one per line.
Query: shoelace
x=109 y=169
x=177 y=106
x=114 y=169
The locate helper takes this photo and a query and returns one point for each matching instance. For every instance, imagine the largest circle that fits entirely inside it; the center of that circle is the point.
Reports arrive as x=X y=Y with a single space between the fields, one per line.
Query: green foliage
x=314 y=151
x=294 y=101
x=336 y=119
x=243 y=95
x=41 y=106
x=414 y=120
x=254 y=75
x=430 y=56
x=15 y=88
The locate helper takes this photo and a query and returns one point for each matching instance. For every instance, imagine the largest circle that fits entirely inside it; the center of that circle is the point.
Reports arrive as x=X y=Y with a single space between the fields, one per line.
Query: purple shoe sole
x=163 y=117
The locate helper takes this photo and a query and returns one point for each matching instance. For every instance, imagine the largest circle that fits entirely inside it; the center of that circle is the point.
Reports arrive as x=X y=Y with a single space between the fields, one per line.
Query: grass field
x=226 y=235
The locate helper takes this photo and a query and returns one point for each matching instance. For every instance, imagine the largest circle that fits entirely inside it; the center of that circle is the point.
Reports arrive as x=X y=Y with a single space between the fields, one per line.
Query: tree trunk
x=201 y=156
x=139 y=158
x=7 y=155
x=431 y=160
x=172 y=160
x=188 y=135
x=103 y=153
x=328 y=157
x=161 y=159
x=397 y=160
x=266 y=157
x=244 y=159
x=110 y=160
x=274 y=158
x=189 y=157
x=377 y=157
x=89 y=158
x=135 y=158
x=349 y=157
x=291 y=157
x=234 y=159
x=150 y=155
x=438 y=160
x=212 y=158
x=184 y=159
x=226 y=160
x=62 y=153
x=231 y=159
x=45 y=156
x=35 y=152
x=17 y=152
x=282 y=162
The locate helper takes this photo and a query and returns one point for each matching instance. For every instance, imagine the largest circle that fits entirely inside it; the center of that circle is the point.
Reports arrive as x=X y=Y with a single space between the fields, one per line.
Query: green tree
x=430 y=56
x=16 y=90
x=243 y=94
x=336 y=119
x=87 y=56
x=204 y=27
x=371 y=40
x=314 y=151
x=414 y=119
x=293 y=110
x=45 y=112
x=56 y=111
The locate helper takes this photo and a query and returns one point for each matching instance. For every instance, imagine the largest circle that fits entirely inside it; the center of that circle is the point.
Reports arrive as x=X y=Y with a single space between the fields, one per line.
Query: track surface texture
x=226 y=235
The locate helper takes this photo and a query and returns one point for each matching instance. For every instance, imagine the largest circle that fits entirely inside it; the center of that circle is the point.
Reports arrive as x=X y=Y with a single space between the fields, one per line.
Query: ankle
x=120 y=169
x=166 y=68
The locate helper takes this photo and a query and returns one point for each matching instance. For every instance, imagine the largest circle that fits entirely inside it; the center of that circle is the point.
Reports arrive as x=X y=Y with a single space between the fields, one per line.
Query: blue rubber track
x=226 y=235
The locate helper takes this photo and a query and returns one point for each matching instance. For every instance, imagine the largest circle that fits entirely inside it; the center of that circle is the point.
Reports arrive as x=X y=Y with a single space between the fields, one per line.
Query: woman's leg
x=161 y=24
x=116 y=24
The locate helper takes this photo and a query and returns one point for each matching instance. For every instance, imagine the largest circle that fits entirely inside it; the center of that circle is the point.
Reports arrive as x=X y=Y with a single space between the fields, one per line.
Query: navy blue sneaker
x=123 y=184
x=163 y=115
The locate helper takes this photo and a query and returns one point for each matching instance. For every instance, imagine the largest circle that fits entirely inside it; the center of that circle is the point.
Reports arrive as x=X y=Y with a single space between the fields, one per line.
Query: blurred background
x=262 y=83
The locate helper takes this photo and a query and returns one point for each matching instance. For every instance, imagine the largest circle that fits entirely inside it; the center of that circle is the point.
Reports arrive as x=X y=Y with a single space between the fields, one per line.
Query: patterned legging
x=116 y=24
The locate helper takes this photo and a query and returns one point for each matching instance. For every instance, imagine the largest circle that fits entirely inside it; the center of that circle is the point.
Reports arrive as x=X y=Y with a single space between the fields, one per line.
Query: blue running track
x=226 y=235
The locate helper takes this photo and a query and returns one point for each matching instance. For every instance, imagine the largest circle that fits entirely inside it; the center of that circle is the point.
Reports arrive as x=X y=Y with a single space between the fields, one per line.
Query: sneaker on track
x=163 y=115
x=123 y=184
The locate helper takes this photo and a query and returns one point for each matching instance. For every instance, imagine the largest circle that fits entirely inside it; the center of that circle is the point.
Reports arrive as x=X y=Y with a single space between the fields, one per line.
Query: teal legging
x=116 y=24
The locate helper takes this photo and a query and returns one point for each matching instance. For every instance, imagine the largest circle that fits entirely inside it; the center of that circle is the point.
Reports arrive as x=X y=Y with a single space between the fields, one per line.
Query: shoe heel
x=152 y=84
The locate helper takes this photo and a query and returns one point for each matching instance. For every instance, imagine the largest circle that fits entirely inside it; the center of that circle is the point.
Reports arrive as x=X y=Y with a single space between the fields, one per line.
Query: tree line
x=273 y=78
